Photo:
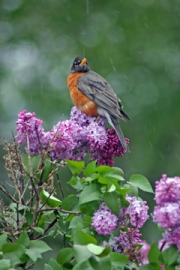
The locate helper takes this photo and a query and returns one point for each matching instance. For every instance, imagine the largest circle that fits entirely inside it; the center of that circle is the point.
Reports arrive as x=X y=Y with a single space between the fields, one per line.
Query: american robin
x=93 y=95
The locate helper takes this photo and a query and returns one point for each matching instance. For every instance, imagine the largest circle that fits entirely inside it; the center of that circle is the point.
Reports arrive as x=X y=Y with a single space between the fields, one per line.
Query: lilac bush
x=71 y=139
x=106 y=237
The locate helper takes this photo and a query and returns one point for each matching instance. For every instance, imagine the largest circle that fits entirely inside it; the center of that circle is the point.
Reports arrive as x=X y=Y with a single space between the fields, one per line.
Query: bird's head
x=80 y=65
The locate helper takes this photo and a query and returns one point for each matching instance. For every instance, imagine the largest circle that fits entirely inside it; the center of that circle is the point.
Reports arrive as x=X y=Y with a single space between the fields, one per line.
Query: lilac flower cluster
x=137 y=211
x=128 y=243
x=112 y=148
x=105 y=221
x=126 y=240
x=135 y=214
x=70 y=139
x=167 y=212
x=30 y=130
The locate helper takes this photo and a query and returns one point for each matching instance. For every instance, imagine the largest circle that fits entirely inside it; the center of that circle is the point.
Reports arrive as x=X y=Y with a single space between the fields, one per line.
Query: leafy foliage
x=36 y=212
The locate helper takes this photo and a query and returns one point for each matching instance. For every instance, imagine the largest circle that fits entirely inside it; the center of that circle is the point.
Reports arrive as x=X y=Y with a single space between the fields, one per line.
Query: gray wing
x=96 y=88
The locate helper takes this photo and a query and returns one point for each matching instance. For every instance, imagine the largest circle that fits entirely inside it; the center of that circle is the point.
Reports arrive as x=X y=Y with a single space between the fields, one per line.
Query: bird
x=94 y=96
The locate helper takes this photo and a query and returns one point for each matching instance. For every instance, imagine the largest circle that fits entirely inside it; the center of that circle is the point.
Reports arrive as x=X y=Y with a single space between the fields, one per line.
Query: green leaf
x=36 y=248
x=70 y=202
x=48 y=167
x=90 y=168
x=48 y=199
x=82 y=238
x=141 y=182
x=92 y=177
x=90 y=193
x=118 y=260
x=76 y=221
x=98 y=250
x=90 y=207
x=170 y=255
x=113 y=172
x=38 y=230
x=5 y=264
x=53 y=265
x=41 y=220
x=103 y=169
x=82 y=254
x=112 y=188
x=65 y=255
x=83 y=266
x=13 y=252
x=48 y=267
x=112 y=200
x=75 y=166
x=24 y=239
x=100 y=263
x=3 y=238
x=13 y=206
x=154 y=254
x=75 y=182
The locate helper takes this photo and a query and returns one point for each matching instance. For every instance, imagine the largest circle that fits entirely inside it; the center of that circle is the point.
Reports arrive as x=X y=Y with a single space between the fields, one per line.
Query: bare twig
x=8 y=194
x=61 y=188
x=48 y=228
x=21 y=178
x=60 y=210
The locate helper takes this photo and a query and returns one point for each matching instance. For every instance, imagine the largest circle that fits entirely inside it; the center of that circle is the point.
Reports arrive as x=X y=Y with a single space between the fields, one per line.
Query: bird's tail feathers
x=115 y=124
x=125 y=115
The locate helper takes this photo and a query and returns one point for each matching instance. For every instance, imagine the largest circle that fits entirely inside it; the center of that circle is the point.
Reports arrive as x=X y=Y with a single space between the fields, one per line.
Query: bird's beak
x=83 y=62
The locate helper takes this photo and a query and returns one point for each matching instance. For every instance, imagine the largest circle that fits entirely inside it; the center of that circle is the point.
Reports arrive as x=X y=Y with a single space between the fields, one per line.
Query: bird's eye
x=77 y=63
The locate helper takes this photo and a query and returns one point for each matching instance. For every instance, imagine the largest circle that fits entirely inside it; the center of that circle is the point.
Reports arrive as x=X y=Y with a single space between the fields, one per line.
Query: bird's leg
x=97 y=118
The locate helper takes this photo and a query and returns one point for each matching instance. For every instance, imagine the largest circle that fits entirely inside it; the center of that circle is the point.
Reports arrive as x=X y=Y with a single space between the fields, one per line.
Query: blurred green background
x=133 y=44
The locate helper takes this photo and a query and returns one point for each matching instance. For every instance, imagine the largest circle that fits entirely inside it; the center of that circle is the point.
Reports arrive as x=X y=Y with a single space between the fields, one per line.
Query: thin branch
x=48 y=228
x=21 y=178
x=61 y=188
x=8 y=194
x=17 y=212
x=61 y=210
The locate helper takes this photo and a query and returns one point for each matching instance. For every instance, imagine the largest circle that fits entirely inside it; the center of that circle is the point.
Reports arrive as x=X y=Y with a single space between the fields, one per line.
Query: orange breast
x=86 y=105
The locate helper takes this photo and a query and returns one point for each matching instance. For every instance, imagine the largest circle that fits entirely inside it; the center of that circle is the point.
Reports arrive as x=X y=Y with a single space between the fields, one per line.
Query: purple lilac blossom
x=30 y=131
x=167 y=215
x=135 y=214
x=84 y=120
x=104 y=221
x=127 y=243
x=173 y=237
x=126 y=240
x=111 y=149
x=167 y=212
x=167 y=189
x=63 y=139
x=104 y=143
x=70 y=139
x=137 y=211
